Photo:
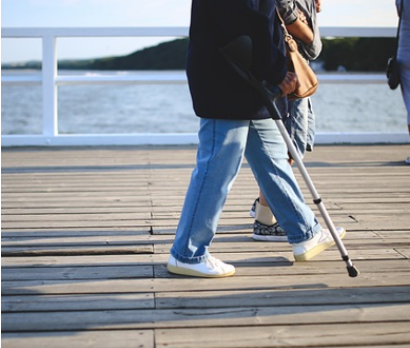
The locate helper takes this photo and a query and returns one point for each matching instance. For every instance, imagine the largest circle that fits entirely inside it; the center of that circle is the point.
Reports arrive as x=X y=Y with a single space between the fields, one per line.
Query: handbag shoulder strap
x=285 y=31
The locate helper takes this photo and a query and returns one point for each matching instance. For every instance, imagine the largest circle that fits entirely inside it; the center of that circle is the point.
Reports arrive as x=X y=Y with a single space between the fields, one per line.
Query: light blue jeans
x=403 y=56
x=222 y=145
x=301 y=124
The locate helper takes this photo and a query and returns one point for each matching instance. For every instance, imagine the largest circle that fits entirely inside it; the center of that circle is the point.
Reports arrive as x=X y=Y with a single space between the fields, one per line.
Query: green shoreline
x=353 y=54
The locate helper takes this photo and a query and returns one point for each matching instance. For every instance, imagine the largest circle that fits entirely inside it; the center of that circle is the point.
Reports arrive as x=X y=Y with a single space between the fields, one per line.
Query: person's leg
x=219 y=157
x=266 y=153
x=407 y=160
x=403 y=57
x=262 y=211
x=311 y=132
x=265 y=226
x=405 y=90
x=297 y=124
x=300 y=126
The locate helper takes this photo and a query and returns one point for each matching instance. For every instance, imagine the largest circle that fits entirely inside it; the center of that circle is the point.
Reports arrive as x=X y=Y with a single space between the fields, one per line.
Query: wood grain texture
x=86 y=234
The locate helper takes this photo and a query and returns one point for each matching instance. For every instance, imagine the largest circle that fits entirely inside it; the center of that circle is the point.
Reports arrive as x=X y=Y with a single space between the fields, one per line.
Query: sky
x=144 y=13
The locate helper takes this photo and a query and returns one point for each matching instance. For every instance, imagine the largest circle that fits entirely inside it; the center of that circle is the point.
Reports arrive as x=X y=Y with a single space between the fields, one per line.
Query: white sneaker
x=210 y=268
x=322 y=240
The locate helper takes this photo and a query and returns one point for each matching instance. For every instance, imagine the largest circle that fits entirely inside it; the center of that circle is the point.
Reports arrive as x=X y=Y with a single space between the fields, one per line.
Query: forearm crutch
x=239 y=55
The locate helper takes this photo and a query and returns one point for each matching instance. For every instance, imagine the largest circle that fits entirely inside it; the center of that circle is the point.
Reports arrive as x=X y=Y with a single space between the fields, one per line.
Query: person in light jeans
x=403 y=57
x=300 y=19
x=235 y=123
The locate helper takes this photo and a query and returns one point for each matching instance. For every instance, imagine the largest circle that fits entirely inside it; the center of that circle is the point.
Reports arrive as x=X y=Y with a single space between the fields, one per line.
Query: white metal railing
x=50 y=80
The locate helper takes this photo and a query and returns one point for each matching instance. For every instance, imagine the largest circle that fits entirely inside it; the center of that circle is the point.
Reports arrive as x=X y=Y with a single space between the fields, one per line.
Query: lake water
x=167 y=108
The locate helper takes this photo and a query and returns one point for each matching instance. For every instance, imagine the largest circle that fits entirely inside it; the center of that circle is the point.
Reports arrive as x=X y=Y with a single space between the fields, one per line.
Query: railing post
x=49 y=72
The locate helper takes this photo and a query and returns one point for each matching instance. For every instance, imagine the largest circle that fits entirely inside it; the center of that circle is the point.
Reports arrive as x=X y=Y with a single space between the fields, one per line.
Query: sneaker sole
x=269 y=238
x=318 y=249
x=192 y=273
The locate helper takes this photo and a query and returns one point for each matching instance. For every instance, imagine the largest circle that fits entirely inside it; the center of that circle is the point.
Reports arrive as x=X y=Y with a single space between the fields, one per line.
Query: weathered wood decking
x=86 y=234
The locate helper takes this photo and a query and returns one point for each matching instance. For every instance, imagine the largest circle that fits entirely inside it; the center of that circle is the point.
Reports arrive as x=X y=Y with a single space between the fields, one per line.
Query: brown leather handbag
x=308 y=81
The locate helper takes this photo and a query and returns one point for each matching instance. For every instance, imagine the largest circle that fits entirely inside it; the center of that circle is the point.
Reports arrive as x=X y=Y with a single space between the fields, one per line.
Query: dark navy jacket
x=217 y=90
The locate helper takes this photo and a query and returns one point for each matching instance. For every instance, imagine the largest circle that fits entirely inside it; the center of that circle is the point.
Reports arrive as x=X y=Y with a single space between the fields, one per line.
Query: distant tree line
x=354 y=54
x=357 y=54
x=165 y=56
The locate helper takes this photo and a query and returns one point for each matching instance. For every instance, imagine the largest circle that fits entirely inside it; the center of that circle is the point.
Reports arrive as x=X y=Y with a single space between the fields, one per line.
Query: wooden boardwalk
x=86 y=234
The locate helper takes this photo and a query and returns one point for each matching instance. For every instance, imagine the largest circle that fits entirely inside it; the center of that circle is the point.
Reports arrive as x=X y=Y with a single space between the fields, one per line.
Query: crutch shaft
x=316 y=198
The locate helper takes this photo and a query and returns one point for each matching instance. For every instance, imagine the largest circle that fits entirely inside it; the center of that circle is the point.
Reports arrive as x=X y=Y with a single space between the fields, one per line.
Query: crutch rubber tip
x=353 y=271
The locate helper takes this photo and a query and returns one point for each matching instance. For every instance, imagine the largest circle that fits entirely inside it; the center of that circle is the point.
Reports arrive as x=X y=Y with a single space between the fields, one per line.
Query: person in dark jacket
x=234 y=122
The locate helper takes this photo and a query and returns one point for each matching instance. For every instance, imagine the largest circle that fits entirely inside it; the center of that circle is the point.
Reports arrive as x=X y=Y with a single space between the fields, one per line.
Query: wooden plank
x=174 y=283
x=74 y=210
x=80 y=196
x=69 y=217
x=127 y=202
x=81 y=203
x=261 y=298
x=162 y=243
x=245 y=258
x=404 y=234
x=78 y=302
x=79 y=200
x=404 y=251
x=78 y=261
x=75 y=232
x=59 y=238
x=394 y=345
x=301 y=269
x=77 y=250
x=285 y=336
x=251 y=246
x=275 y=256
x=68 y=239
x=84 y=339
x=139 y=195
x=346 y=183
x=206 y=299
x=76 y=224
x=163 y=226
x=216 y=318
x=55 y=273
x=137 y=270
x=370 y=193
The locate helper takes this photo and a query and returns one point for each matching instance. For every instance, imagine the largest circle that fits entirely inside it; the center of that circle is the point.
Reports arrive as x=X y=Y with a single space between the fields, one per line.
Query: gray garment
x=300 y=122
x=403 y=54
x=289 y=12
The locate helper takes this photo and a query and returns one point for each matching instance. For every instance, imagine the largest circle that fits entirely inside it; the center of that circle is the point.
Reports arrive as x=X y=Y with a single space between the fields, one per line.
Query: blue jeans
x=301 y=124
x=403 y=57
x=222 y=145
